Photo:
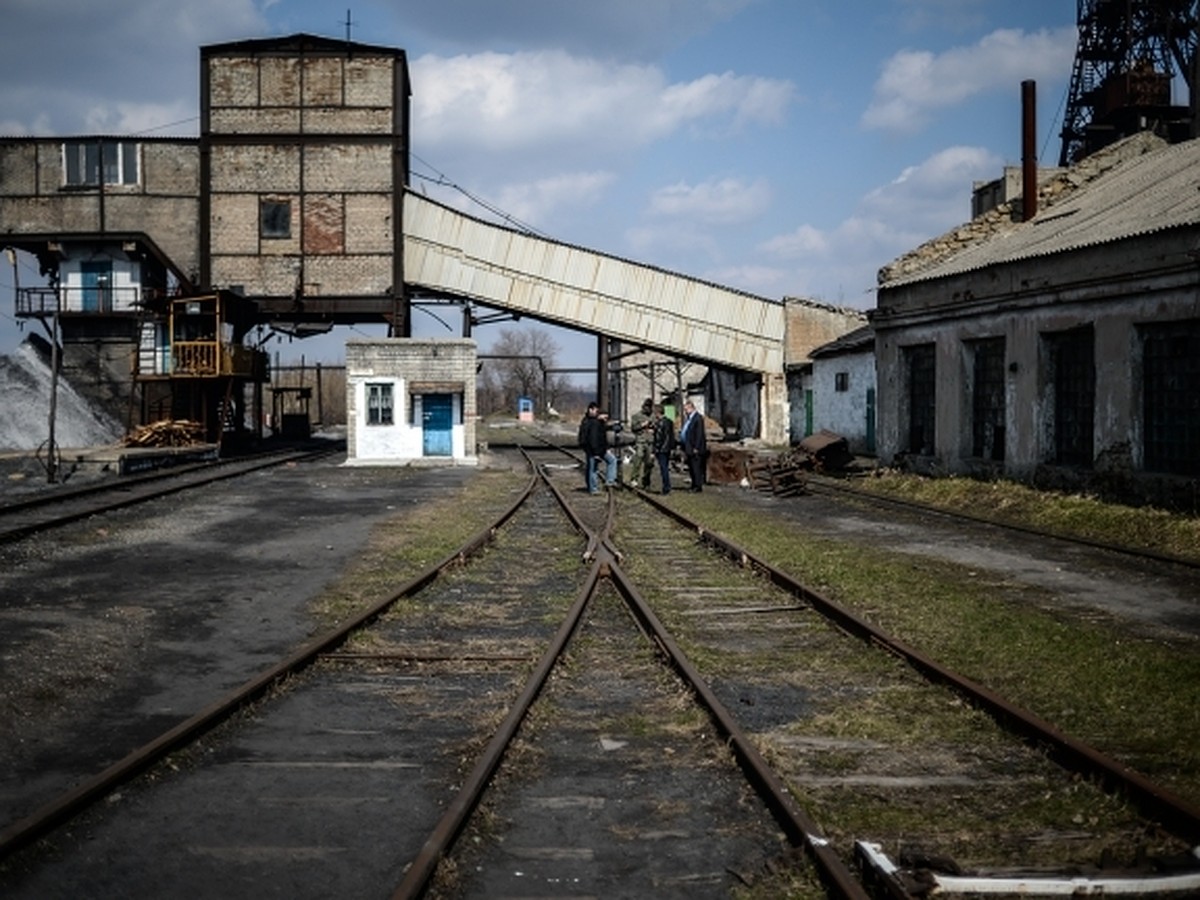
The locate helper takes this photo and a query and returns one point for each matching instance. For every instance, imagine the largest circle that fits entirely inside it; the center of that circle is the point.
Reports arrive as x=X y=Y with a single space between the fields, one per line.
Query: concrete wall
x=843 y=412
x=1113 y=288
x=810 y=325
x=164 y=205
x=414 y=368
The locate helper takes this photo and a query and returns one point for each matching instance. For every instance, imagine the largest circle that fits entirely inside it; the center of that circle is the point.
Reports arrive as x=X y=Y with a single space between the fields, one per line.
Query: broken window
x=92 y=163
x=920 y=362
x=379 y=404
x=275 y=218
x=987 y=399
x=1171 y=397
x=1072 y=367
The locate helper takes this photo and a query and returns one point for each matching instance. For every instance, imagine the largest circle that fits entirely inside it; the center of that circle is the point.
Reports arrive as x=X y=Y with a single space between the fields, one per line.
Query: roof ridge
x=1000 y=219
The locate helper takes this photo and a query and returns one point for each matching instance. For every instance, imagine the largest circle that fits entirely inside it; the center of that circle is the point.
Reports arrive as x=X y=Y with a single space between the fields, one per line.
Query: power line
x=439 y=178
x=167 y=125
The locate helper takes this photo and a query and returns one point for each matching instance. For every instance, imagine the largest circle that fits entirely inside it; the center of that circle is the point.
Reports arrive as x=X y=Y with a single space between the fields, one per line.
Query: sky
x=789 y=148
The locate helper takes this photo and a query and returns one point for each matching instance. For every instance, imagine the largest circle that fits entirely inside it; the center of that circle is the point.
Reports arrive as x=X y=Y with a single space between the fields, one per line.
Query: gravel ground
x=156 y=610
x=160 y=608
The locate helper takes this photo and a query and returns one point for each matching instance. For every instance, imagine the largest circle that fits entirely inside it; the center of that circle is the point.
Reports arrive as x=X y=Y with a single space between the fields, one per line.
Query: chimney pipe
x=1029 y=162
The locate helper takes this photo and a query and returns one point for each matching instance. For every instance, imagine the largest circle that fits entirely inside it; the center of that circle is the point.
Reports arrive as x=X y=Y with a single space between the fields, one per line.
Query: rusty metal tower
x=1129 y=53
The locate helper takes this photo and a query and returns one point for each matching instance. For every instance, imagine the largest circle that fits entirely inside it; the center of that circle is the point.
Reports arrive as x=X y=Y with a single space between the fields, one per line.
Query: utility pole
x=52 y=446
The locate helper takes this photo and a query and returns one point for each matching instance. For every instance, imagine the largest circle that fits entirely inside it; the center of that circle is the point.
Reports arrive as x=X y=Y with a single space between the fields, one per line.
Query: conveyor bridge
x=449 y=253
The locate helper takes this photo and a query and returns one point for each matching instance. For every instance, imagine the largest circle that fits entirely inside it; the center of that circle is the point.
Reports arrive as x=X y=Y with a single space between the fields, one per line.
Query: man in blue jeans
x=593 y=440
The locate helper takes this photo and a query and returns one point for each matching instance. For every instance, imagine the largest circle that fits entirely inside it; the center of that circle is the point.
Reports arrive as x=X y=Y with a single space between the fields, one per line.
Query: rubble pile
x=1007 y=216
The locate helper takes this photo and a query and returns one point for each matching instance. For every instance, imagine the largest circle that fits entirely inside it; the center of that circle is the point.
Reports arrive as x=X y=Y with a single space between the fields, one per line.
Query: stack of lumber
x=784 y=476
x=166 y=433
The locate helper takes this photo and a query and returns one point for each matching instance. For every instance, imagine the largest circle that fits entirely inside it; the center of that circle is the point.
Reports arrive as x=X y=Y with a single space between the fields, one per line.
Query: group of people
x=654 y=441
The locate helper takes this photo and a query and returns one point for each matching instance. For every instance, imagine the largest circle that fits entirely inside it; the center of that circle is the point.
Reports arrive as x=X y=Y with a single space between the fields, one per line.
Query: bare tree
x=517 y=366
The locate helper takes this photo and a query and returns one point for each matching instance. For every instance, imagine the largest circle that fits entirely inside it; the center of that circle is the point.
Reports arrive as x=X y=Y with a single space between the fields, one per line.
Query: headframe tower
x=1129 y=54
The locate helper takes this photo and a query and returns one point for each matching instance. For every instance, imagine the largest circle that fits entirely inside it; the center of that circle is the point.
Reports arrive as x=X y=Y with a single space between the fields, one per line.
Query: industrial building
x=1062 y=349
x=171 y=261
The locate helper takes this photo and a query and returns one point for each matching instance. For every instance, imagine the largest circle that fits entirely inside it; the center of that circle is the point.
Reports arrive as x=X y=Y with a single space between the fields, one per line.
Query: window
x=275 y=218
x=1170 y=388
x=1073 y=370
x=987 y=399
x=841 y=381
x=91 y=163
x=379 y=404
x=921 y=367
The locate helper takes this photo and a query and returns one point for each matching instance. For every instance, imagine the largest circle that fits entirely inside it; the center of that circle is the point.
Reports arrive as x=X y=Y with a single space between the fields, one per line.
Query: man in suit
x=694 y=442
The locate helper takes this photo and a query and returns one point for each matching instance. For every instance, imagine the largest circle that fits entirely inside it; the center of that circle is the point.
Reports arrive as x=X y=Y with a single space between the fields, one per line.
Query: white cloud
x=535 y=201
x=506 y=102
x=750 y=99
x=144 y=51
x=839 y=264
x=726 y=202
x=804 y=241
x=934 y=195
x=916 y=83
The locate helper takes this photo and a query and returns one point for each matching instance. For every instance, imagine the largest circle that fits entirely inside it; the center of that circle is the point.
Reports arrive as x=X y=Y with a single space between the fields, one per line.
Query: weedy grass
x=1134 y=697
x=411 y=542
x=1078 y=515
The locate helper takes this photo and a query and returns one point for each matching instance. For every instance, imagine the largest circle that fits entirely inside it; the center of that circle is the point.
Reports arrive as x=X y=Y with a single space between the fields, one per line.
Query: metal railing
x=212 y=358
x=45 y=301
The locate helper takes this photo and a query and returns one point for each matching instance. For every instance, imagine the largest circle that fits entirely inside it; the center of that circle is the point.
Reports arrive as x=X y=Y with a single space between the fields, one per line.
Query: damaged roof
x=1135 y=187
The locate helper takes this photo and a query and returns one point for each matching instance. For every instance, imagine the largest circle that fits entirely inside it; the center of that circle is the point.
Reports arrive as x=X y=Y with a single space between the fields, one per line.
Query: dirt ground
x=160 y=608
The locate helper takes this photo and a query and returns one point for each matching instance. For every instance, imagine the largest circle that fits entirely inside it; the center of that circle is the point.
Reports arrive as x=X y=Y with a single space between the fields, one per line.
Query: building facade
x=840 y=396
x=410 y=401
x=1063 y=350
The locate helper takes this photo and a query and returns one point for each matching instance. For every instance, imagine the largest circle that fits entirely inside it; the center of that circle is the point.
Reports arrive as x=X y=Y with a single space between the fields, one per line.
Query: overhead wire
x=439 y=178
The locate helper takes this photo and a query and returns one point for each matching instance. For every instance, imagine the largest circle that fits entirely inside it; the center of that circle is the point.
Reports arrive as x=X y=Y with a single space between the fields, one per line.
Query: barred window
x=1072 y=367
x=920 y=363
x=987 y=399
x=379 y=404
x=1171 y=397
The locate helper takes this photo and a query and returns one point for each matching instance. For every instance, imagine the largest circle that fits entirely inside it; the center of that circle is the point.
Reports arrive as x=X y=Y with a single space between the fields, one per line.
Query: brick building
x=410 y=400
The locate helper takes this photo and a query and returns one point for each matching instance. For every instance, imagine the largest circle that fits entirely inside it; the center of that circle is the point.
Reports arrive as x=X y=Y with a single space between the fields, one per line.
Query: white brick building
x=410 y=402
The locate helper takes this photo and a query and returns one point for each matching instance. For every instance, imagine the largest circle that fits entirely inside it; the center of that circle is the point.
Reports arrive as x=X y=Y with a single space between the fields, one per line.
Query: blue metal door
x=437 y=420
x=97 y=286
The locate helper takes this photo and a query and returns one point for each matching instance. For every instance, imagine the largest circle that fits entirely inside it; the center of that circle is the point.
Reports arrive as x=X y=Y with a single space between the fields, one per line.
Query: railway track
x=42 y=511
x=776 y=751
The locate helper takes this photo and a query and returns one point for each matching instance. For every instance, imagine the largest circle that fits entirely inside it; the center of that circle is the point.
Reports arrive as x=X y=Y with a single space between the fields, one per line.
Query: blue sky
x=783 y=147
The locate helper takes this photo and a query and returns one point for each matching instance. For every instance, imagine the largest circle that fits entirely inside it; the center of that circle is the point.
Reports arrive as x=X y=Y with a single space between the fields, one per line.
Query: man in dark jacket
x=593 y=441
x=663 y=443
x=694 y=442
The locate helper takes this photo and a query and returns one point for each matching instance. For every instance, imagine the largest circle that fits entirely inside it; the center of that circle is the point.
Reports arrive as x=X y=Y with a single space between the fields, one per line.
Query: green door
x=870 y=420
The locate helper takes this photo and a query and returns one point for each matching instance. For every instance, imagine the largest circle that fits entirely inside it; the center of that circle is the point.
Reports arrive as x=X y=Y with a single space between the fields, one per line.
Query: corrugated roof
x=1148 y=193
x=447 y=251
